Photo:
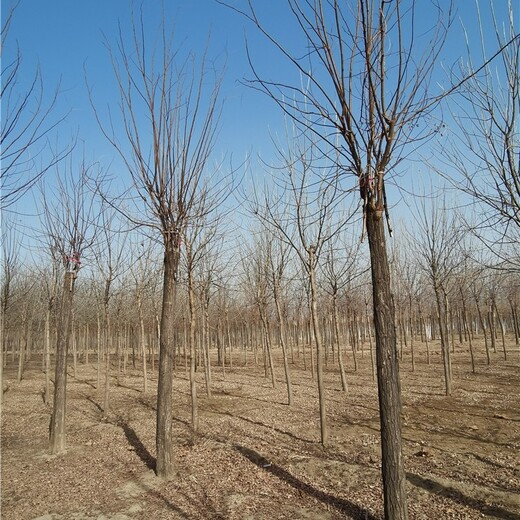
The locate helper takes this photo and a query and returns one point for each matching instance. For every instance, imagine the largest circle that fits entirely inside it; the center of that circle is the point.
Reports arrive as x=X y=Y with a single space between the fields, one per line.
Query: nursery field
x=255 y=458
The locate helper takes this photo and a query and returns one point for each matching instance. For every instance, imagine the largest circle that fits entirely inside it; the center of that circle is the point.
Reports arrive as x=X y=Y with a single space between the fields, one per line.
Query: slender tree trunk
x=335 y=323
x=268 y=347
x=466 y=329
x=445 y=348
x=22 y=346
x=193 y=355
x=492 y=327
x=281 y=325
x=108 y=345
x=502 y=329
x=164 y=434
x=98 y=368
x=74 y=348
x=57 y=426
x=370 y=343
x=47 y=355
x=483 y=325
x=514 y=319
x=389 y=389
x=353 y=342
x=206 y=344
x=143 y=343
x=324 y=431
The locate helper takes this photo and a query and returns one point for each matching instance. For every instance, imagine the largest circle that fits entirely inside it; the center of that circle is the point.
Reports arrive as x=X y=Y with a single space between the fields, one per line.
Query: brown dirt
x=255 y=458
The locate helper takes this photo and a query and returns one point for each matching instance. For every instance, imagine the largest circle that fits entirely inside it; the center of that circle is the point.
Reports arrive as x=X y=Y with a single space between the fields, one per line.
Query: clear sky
x=67 y=40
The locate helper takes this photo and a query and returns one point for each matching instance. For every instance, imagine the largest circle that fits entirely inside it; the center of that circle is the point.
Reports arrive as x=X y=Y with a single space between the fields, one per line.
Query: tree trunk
x=205 y=346
x=389 y=390
x=193 y=381
x=484 y=331
x=47 y=355
x=502 y=329
x=466 y=329
x=319 y=347
x=57 y=426
x=268 y=348
x=335 y=323
x=445 y=348
x=108 y=344
x=282 y=343
x=164 y=434
x=143 y=343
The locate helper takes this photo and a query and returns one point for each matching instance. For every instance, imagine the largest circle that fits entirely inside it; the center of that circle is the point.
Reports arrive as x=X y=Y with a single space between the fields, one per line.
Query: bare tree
x=256 y=272
x=198 y=238
x=484 y=146
x=278 y=260
x=168 y=116
x=340 y=268
x=436 y=241
x=109 y=253
x=49 y=276
x=143 y=270
x=10 y=265
x=27 y=124
x=68 y=216
x=364 y=76
x=306 y=212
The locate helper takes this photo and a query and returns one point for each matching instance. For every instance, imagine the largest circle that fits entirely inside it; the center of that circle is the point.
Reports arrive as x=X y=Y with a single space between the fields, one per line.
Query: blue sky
x=66 y=38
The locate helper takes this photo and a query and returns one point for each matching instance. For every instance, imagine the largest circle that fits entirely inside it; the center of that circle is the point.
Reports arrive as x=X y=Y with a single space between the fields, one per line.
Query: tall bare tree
x=340 y=268
x=363 y=84
x=484 y=146
x=169 y=111
x=68 y=214
x=306 y=211
x=109 y=254
x=436 y=240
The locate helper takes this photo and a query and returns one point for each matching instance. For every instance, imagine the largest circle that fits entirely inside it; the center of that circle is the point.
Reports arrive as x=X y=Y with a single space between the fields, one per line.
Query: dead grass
x=255 y=458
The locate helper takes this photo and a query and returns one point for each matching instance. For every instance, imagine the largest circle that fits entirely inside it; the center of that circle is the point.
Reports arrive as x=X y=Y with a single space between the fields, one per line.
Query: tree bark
x=389 y=390
x=164 y=434
x=57 y=426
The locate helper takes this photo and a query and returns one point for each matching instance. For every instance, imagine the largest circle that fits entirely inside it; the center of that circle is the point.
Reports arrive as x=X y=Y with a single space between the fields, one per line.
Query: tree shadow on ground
x=263 y=425
x=134 y=441
x=340 y=504
x=449 y=492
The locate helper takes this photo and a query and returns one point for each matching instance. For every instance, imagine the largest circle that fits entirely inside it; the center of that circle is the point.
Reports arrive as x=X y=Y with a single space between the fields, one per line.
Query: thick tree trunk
x=57 y=426
x=164 y=434
x=389 y=389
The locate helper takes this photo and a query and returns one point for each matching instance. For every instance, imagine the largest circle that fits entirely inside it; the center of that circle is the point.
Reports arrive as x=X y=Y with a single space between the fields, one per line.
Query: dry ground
x=256 y=458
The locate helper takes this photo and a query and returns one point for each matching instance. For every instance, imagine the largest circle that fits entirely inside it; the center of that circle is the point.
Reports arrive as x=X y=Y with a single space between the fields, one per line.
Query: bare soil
x=255 y=458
